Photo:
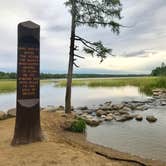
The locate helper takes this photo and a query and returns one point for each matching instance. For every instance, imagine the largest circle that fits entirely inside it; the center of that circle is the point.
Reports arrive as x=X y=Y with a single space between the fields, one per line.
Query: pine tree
x=93 y=13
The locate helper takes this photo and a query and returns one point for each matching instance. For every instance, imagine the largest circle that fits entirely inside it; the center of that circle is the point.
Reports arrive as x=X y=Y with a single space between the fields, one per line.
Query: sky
x=139 y=48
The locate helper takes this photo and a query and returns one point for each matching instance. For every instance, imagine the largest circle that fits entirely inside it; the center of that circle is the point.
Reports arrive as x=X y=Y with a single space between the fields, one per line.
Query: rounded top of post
x=29 y=24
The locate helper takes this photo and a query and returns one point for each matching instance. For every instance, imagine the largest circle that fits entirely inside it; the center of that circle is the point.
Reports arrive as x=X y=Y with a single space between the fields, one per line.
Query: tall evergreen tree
x=93 y=13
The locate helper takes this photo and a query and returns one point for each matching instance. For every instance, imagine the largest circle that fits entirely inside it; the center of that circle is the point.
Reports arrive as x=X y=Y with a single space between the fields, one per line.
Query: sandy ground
x=55 y=150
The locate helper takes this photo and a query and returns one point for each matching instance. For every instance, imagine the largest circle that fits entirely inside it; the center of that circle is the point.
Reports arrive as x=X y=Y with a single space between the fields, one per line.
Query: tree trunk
x=71 y=59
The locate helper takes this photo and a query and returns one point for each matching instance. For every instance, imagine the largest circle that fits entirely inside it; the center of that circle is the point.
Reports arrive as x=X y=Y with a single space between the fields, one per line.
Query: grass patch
x=79 y=126
x=7 y=86
x=145 y=84
x=10 y=85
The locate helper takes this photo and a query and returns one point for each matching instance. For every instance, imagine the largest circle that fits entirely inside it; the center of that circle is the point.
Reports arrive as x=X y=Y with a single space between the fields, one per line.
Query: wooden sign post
x=27 y=127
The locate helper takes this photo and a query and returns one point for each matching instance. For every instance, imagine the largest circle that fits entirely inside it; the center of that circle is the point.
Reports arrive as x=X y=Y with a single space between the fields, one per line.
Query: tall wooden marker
x=27 y=127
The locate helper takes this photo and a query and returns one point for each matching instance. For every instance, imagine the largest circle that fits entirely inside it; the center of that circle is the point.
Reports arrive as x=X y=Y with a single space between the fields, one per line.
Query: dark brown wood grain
x=27 y=127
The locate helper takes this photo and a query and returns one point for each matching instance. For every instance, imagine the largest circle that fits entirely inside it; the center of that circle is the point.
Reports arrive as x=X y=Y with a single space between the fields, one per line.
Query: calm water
x=139 y=138
x=81 y=96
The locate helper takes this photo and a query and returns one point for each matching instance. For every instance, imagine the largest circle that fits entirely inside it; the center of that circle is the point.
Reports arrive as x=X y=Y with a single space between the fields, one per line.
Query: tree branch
x=79 y=56
x=75 y=65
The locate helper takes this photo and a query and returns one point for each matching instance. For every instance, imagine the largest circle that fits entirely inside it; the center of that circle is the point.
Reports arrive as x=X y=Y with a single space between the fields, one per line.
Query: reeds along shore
x=145 y=84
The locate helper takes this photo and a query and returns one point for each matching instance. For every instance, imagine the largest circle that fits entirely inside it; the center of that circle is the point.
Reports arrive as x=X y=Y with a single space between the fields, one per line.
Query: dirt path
x=55 y=150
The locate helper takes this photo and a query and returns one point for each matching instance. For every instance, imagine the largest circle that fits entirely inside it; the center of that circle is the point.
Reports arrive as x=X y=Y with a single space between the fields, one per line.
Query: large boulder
x=3 y=115
x=151 y=118
x=11 y=113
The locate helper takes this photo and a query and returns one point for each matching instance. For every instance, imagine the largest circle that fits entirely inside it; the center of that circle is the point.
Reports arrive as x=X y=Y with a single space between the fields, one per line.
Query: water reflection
x=51 y=95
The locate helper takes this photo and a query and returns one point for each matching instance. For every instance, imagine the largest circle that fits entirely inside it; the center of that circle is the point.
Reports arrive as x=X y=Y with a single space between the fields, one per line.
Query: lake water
x=81 y=96
x=138 y=138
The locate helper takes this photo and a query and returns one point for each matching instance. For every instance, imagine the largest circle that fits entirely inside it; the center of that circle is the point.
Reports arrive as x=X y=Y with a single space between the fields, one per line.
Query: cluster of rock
x=118 y=112
x=159 y=93
x=107 y=112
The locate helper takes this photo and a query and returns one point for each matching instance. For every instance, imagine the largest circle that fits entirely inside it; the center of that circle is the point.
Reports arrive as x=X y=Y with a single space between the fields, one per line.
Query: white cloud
x=148 y=32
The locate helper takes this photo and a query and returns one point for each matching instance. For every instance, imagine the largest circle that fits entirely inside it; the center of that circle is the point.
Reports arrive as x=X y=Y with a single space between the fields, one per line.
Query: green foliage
x=99 y=49
x=159 y=71
x=78 y=125
x=95 y=13
x=4 y=75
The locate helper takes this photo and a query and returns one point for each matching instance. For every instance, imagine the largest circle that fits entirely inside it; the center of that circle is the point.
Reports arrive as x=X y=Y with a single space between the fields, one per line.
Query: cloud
x=148 y=30
x=141 y=53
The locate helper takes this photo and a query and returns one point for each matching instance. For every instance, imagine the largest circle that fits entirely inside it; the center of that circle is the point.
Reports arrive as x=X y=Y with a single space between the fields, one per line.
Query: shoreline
x=54 y=134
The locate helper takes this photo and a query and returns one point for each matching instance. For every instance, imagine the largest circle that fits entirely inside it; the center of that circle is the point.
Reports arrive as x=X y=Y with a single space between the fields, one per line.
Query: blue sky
x=138 y=49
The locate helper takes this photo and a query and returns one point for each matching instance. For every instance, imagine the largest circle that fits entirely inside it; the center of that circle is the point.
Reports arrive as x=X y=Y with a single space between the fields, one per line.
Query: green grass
x=78 y=126
x=10 y=85
x=145 y=84
x=7 y=86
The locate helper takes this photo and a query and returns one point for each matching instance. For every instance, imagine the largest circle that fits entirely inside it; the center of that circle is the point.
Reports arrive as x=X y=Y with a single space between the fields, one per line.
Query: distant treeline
x=4 y=75
x=159 y=71
x=13 y=75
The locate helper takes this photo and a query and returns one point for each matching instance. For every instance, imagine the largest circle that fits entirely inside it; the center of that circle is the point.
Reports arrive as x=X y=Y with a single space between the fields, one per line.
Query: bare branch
x=75 y=65
x=79 y=56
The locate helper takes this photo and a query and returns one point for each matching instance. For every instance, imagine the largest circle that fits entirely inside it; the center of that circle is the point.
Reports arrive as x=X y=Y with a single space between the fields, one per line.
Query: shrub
x=78 y=125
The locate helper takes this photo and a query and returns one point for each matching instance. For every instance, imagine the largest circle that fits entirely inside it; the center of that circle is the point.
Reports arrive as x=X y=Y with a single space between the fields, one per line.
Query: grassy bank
x=7 y=86
x=146 y=84
x=10 y=85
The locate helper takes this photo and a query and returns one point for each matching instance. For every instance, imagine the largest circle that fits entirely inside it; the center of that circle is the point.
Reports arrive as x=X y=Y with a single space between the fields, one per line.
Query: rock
x=3 y=115
x=11 y=113
x=92 y=122
x=124 y=118
x=127 y=109
x=103 y=116
x=163 y=103
x=116 y=107
x=109 y=117
x=122 y=112
x=120 y=106
x=141 y=108
x=116 y=113
x=151 y=118
x=105 y=108
x=139 y=118
x=100 y=113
